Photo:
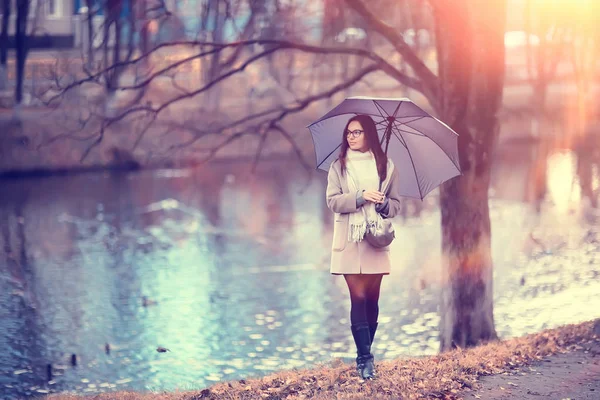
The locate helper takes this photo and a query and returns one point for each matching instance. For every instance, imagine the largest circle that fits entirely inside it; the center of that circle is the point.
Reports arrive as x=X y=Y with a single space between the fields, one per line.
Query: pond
x=228 y=269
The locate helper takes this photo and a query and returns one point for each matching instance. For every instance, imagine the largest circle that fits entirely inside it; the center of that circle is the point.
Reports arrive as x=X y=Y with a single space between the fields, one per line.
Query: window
x=53 y=8
x=39 y=8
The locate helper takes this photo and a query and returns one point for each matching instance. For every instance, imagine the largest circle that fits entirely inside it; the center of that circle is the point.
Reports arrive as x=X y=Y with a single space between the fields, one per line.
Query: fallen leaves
x=443 y=376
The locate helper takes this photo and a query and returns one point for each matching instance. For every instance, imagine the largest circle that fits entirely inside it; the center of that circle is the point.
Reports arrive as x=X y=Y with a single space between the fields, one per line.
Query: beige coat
x=349 y=257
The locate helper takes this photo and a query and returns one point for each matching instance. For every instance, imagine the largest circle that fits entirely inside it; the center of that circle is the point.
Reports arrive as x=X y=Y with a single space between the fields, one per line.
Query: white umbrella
x=423 y=148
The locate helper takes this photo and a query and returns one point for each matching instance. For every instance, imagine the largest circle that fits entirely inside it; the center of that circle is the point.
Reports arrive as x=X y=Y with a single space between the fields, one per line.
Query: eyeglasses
x=355 y=133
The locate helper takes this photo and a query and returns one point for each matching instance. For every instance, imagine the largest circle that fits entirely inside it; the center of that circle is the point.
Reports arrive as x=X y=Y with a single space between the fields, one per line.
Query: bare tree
x=470 y=97
x=116 y=50
x=22 y=46
x=216 y=11
x=584 y=54
x=467 y=94
x=552 y=28
x=219 y=17
x=4 y=43
x=91 y=12
x=465 y=91
x=28 y=15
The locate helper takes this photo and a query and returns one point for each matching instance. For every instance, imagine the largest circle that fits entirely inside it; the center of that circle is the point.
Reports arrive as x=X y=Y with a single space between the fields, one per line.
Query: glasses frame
x=354 y=134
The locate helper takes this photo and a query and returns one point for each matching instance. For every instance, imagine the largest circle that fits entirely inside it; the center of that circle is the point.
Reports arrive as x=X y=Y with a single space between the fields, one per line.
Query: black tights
x=364 y=297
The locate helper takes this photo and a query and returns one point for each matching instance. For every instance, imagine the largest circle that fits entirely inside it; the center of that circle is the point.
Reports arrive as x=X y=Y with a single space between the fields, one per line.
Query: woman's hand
x=374 y=196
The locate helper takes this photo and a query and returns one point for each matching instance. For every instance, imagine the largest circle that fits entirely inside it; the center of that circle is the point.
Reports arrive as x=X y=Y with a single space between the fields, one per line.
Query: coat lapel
x=343 y=182
x=388 y=178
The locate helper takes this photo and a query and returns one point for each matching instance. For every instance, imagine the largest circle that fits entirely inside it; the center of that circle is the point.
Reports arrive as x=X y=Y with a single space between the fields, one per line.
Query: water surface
x=234 y=269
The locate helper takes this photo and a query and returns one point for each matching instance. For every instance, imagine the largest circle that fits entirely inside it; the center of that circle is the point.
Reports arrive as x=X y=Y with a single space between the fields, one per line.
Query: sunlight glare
x=561 y=170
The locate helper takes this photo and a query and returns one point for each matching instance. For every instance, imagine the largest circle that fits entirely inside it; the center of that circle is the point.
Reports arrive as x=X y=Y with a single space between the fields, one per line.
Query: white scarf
x=362 y=175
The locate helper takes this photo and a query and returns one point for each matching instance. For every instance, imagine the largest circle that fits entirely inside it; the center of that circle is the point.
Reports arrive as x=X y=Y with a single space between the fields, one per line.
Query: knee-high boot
x=364 y=359
x=372 y=330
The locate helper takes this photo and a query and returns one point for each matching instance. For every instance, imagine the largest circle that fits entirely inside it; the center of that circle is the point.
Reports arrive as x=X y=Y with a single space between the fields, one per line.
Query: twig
x=289 y=138
x=261 y=144
x=278 y=45
x=96 y=143
x=428 y=79
x=143 y=132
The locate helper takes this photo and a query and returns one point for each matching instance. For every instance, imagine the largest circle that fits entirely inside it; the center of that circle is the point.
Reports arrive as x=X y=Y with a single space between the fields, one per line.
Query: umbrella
x=423 y=148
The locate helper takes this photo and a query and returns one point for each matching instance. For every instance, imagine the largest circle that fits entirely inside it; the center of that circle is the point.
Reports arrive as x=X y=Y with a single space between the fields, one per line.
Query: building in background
x=62 y=24
x=50 y=24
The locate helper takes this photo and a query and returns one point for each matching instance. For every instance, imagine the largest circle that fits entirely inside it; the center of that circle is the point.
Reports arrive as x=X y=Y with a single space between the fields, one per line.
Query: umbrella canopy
x=423 y=148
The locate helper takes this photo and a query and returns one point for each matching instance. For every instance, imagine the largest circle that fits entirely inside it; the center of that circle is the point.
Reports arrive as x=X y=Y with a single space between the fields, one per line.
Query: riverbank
x=68 y=138
x=452 y=375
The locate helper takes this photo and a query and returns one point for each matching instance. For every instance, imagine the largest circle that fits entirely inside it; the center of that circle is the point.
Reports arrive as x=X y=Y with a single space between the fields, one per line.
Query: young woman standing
x=354 y=195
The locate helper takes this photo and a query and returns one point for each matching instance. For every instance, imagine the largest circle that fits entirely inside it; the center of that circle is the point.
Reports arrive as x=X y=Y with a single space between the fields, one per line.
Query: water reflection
x=235 y=270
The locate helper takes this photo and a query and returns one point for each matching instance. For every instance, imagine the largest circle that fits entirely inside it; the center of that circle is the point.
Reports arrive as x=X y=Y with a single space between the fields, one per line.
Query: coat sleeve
x=393 y=197
x=337 y=201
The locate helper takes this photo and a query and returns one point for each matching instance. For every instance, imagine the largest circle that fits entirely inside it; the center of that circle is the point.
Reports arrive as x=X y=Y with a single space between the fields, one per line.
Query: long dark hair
x=370 y=129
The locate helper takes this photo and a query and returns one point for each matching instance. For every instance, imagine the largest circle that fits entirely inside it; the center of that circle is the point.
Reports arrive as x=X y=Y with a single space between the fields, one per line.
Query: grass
x=441 y=376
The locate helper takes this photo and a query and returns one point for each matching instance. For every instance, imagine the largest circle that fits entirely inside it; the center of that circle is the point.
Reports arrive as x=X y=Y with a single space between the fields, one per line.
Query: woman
x=353 y=194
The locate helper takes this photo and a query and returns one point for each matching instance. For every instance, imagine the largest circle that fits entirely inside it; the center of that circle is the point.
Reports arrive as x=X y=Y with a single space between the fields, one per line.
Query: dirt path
x=574 y=375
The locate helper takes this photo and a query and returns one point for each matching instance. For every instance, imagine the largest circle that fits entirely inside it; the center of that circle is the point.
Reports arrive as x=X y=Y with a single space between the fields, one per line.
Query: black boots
x=372 y=330
x=364 y=360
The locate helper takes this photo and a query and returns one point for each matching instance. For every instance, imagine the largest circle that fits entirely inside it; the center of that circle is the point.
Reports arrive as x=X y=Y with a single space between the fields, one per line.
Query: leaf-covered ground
x=450 y=375
x=571 y=375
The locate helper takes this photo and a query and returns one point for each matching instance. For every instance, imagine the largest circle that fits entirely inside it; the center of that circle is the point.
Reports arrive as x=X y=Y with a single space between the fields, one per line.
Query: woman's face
x=355 y=135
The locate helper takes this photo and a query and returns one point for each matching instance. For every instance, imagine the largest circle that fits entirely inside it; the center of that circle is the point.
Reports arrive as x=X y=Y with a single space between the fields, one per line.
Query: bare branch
x=274 y=123
x=299 y=107
x=428 y=79
x=261 y=128
x=289 y=138
x=261 y=144
x=326 y=94
x=177 y=86
x=94 y=144
x=247 y=33
x=302 y=104
x=232 y=138
x=143 y=133
x=384 y=65
x=273 y=116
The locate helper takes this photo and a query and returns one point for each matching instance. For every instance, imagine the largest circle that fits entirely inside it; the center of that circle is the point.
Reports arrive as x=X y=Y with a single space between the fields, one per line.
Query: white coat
x=350 y=257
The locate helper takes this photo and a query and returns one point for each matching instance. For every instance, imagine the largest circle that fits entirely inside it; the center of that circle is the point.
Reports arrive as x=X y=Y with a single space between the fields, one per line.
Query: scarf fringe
x=357 y=233
x=366 y=218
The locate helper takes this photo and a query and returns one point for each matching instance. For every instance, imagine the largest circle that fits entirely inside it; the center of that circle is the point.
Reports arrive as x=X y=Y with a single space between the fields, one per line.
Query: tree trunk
x=21 y=46
x=90 y=32
x=133 y=28
x=144 y=23
x=213 y=96
x=106 y=40
x=116 y=59
x=471 y=72
x=4 y=44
